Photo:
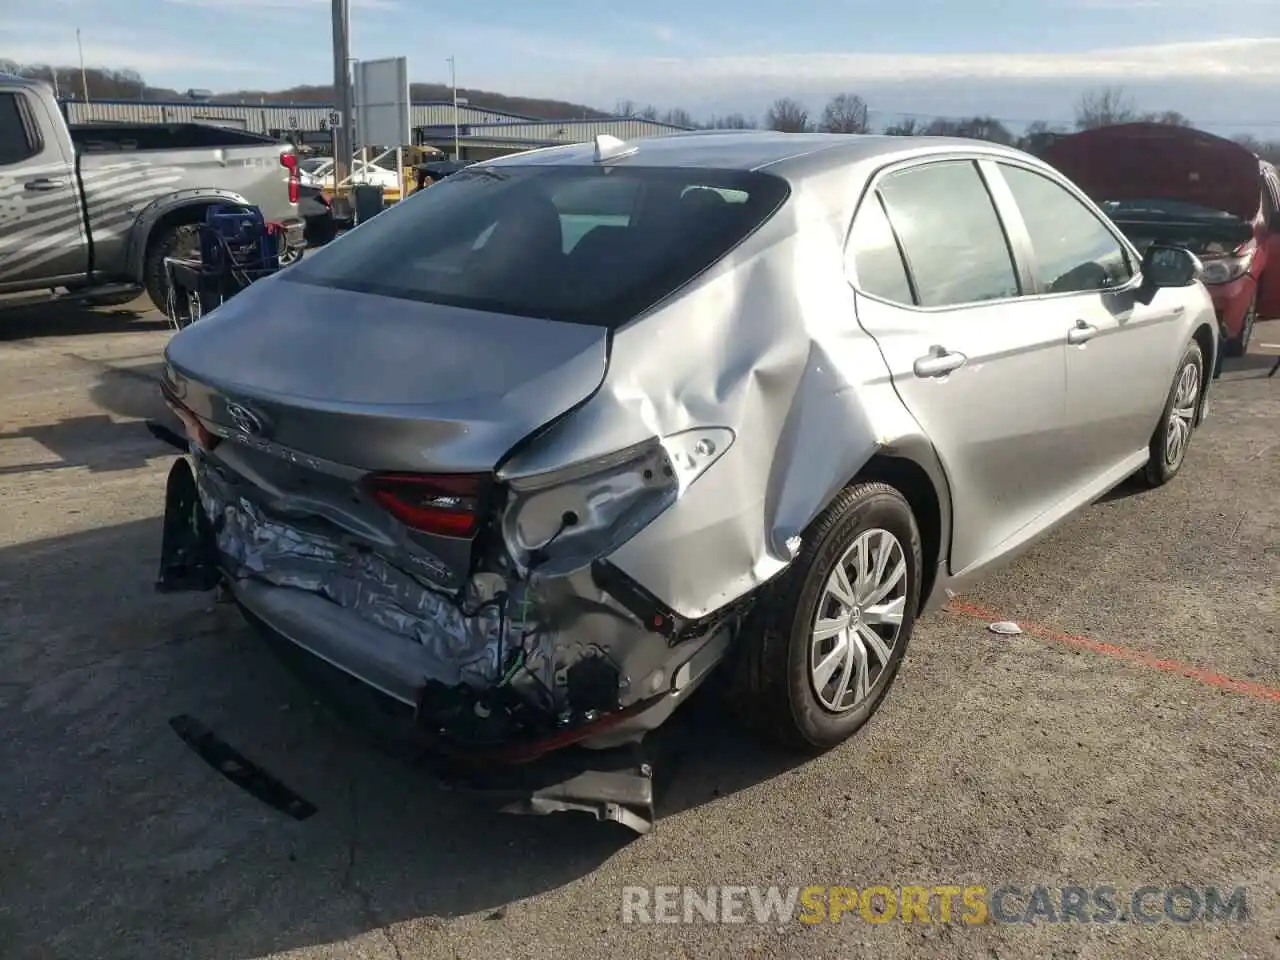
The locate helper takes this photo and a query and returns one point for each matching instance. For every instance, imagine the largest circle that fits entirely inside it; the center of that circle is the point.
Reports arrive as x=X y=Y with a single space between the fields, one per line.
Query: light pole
x=84 y=77
x=342 y=99
x=453 y=82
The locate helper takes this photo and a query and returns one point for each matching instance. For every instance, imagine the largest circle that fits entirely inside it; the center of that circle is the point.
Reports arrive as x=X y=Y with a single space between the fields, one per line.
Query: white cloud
x=317 y=7
x=43 y=42
x=1252 y=60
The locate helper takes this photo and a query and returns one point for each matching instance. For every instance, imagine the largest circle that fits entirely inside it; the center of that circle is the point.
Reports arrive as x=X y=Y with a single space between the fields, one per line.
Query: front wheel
x=821 y=653
x=1172 y=437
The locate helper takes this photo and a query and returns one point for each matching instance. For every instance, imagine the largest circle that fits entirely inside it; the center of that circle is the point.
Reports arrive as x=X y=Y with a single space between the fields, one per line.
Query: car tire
x=1172 y=436
x=168 y=241
x=777 y=681
x=1239 y=346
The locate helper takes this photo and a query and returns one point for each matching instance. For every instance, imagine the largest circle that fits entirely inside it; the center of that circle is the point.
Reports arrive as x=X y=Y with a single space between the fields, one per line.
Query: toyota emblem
x=246 y=420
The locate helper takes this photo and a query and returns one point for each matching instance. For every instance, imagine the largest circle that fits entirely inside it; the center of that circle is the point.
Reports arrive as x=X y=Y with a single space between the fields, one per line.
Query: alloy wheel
x=858 y=621
x=1182 y=414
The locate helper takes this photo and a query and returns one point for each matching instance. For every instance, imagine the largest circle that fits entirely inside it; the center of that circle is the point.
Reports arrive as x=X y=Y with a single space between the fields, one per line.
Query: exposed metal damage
x=529 y=648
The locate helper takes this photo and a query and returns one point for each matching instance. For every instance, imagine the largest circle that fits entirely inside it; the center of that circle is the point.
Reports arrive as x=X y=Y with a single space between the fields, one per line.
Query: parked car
x=533 y=482
x=94 y=210
x=1175 y=185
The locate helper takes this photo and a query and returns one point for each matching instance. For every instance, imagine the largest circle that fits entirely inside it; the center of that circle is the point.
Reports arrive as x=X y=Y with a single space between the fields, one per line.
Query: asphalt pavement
x=1125 y=738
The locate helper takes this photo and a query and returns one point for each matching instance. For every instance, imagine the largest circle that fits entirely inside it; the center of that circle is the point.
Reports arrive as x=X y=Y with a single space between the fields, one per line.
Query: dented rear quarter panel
x=766 y=344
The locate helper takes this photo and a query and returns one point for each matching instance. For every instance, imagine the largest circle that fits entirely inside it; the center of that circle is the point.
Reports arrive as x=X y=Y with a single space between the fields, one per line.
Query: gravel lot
x=1127 y=737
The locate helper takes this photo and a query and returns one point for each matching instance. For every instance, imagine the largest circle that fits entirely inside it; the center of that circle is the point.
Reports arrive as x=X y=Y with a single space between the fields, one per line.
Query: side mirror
x=1164 y=266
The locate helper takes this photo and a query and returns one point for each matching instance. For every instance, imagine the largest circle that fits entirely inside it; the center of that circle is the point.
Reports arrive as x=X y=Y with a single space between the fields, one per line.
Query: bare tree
x=1172 y=117
x=1267 y=150
x=732 y=121
x=844 y=113
x=787 y=115
x=906 y=127
x=678 y=117
x=1104 y=107
x=625 y=108
x=649 y=112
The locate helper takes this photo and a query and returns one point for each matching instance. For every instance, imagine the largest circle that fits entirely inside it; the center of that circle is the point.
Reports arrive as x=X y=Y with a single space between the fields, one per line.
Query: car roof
x=786 y=154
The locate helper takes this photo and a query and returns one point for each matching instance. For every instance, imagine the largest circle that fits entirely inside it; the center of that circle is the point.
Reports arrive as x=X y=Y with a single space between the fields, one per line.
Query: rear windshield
x=593 y=245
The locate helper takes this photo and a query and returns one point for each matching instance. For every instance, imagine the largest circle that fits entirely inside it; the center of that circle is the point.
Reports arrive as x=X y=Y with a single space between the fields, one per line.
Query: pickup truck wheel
x=823 y=646
x=179 y=240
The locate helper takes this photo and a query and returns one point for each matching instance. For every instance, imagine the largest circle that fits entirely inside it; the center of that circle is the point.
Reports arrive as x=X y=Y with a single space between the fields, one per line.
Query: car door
x=41 y=227
x=1269 y=280
x=978 y=366
x=1120 y=354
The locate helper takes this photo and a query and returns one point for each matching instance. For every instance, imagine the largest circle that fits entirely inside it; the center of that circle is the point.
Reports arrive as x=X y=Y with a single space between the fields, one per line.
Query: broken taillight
x=444 y=504
x=290 y=162
x=197 y=432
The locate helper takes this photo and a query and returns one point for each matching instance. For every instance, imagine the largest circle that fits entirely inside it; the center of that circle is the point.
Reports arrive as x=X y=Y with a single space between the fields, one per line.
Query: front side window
x=584 y=244
x=16 y=141
x=952 y=238
x=1075 y=252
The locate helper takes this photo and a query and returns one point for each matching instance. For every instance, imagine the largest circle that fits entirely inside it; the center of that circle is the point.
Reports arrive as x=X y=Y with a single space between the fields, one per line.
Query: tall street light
x=84 y=77
x=342 y=99
x=453 y=82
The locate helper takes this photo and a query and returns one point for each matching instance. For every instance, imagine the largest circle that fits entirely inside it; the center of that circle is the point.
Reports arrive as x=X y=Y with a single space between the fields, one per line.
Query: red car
x=1175 y=185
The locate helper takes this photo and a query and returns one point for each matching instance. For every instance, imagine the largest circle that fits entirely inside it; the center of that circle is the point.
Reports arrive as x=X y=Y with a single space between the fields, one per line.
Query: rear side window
x=950 y=233
x=1074 y=252
x=874 y=255
x=18 y=138
x=593 y=245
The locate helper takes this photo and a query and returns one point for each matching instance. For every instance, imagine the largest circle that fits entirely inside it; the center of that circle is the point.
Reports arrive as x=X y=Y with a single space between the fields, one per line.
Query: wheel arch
x=926 y=492
x=186 y=206
x=1209 y=347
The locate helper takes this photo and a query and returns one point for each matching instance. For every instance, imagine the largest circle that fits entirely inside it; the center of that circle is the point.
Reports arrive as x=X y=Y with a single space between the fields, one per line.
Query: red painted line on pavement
x=1210 y=678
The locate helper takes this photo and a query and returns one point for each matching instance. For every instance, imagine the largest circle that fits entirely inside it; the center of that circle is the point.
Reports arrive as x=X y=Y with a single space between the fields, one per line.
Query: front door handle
x=45 y=183
x=938 y=362
x=1081 y=333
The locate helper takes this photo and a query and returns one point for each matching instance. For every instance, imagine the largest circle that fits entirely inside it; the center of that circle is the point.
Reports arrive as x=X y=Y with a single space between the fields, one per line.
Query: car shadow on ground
x=95 y=667
x=73 y=318
x=115 y=440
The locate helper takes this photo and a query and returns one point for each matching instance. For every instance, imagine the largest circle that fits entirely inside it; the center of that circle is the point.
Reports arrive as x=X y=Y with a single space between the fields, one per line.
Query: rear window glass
x=592 y=245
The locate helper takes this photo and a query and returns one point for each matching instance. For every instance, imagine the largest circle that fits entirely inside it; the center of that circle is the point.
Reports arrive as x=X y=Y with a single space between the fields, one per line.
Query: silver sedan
x=536 y=451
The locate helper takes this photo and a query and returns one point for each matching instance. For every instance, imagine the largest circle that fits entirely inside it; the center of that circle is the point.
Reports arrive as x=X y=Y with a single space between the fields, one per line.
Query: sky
x=1019 y=60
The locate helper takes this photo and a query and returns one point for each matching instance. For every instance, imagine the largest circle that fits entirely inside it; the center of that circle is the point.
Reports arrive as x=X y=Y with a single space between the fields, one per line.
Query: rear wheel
x=826 y=643
x=180 y=240
x=1239 y=346
x=1172 y=438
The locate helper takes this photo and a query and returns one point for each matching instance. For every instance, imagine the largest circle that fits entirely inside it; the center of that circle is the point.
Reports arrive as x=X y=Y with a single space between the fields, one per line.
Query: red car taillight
x=290 y=162
x=444 y=504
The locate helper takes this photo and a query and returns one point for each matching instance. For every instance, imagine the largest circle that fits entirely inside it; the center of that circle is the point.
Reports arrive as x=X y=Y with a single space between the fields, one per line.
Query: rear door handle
x=938 y=362
x=1081 y=333
x=45 y=183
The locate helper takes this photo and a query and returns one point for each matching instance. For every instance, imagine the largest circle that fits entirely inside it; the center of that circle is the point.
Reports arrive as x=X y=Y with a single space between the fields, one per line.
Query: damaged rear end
x=345 y=479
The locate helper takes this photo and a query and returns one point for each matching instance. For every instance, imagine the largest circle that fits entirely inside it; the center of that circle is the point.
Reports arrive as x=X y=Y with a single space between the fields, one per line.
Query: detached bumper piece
x=189 y=550
x=611 y=785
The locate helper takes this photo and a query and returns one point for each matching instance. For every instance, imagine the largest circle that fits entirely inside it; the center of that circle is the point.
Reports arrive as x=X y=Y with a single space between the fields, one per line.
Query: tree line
x=843 y=113
x=848 y=113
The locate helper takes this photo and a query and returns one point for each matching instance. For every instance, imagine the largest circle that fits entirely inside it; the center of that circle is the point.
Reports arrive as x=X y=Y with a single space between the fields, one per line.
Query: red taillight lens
x=290 y=162
x=444 y=504
x=197 y=433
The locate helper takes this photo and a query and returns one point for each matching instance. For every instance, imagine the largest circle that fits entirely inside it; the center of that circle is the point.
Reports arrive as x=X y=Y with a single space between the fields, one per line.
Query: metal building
x=481 y=132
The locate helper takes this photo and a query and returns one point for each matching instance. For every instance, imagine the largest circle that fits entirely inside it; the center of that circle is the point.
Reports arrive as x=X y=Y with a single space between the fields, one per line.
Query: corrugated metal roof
x=263 y=117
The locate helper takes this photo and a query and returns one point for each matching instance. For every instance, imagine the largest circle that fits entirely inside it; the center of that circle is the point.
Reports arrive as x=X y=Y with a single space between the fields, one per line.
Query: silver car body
x=696 y=443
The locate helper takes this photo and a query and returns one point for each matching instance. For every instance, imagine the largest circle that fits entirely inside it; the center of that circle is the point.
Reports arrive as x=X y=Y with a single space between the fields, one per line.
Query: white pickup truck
x=92 y=211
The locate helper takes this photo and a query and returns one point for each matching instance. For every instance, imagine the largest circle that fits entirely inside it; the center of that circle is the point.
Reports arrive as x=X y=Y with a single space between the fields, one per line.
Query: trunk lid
x=315 y=388
x=376 y=383
x=1154 y=160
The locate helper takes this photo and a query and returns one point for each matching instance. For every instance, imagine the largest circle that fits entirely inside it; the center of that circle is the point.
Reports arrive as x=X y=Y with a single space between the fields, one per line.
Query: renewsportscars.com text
x=940 y=903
